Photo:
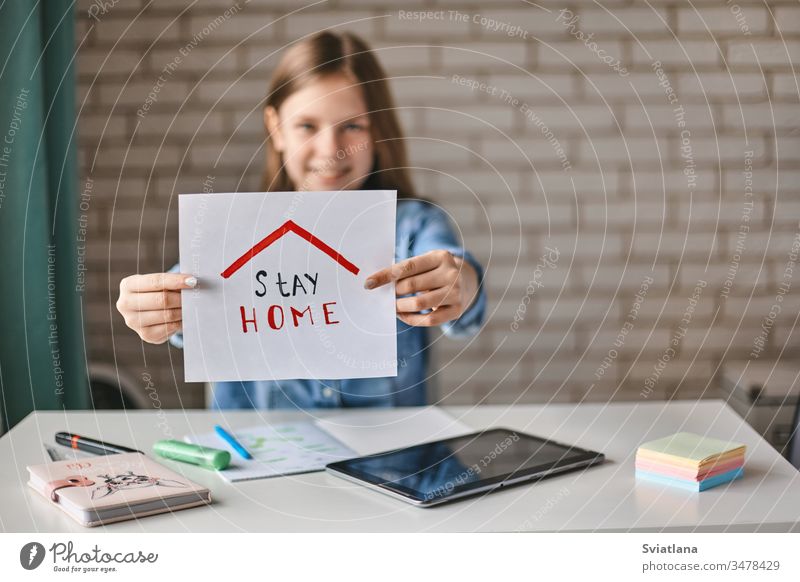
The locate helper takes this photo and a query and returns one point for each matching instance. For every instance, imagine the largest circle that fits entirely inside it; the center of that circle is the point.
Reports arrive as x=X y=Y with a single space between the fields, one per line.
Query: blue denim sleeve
x=176 y=339
x=434 y=231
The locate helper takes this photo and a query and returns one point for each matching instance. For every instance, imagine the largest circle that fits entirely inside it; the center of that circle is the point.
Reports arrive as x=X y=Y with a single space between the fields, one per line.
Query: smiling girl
x=331 y=125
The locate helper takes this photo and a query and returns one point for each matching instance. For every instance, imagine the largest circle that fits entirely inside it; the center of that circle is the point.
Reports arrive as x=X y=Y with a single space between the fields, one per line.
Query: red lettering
x=271 y=316
x=276 y=316
x=327 y=313
x=297 y=314
x=246 y=321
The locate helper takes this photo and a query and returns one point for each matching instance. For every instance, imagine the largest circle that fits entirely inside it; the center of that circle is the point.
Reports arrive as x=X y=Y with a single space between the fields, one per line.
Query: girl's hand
x=445 y=284
x=151 y=304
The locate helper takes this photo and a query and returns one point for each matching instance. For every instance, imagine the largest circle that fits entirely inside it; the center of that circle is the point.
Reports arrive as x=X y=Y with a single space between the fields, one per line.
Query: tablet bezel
x=579 y=458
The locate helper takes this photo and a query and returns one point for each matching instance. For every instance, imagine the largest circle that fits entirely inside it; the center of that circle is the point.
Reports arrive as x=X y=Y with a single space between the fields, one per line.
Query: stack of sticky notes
x=690 y=461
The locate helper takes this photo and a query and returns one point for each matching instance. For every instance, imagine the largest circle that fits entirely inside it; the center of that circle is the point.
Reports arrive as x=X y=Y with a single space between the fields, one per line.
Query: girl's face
x=323 y=134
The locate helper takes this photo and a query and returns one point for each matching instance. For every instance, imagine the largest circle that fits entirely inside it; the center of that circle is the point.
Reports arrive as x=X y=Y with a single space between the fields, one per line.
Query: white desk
x=606 y=498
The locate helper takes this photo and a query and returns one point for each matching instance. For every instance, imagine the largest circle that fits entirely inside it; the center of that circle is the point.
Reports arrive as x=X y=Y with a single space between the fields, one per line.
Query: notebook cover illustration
x=118 y=486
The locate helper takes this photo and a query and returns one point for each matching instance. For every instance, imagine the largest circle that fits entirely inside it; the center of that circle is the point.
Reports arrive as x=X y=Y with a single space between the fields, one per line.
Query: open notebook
x=300 y=447
x=105 y=489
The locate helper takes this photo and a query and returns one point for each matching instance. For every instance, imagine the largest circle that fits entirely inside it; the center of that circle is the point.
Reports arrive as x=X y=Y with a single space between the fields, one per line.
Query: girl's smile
x=323 y=133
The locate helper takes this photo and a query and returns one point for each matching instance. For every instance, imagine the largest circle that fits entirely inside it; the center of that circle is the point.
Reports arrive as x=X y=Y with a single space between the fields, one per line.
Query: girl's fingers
x=407 y=268
x=424 y=282
x=158 y=334
x=431 y=300
x=140 y=319
x=153 y=301
x=157 y=282
x=437 y=317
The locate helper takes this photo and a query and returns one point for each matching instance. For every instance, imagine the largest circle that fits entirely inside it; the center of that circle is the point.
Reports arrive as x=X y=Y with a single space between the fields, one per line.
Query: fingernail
x=369 y=283
x=191 y=282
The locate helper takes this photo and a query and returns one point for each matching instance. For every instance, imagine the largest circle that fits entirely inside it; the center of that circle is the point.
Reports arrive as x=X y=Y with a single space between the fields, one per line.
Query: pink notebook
x=110 y=488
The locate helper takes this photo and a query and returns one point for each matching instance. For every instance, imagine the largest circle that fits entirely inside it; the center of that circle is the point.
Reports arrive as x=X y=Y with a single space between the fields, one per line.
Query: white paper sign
x=280 y=291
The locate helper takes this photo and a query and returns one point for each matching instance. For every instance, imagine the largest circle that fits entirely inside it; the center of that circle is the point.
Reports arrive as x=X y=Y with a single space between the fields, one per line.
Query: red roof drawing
x=278 y=233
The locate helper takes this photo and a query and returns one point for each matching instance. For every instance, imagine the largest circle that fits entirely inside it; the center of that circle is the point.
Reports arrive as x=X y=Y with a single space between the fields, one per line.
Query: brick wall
x=593 y=155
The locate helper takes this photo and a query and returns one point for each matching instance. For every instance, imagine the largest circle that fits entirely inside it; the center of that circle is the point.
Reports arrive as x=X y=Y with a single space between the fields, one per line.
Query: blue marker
x=228 y=438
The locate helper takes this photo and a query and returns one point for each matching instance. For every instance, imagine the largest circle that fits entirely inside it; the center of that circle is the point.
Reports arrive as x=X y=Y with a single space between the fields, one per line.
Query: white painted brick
x=778 y=117
x=627 y=151
x=642 y=339
x=494 y=247
x=768 y=53
x=602 y=183
x=784 y=210
x=201 y=59
x=726 y=148
x=746 y=276
x=729 y=212
x=787 y=148
x=457 y=120
x=673 y=52
x=424 y=24
x=668 y=310
x=677 y=369
x=598 y=216
x=574 y=54
x=728 y=86
x=671 y=182
x=765 y=180
x=755 y=309
x=524 y=152
x=242 y=26
x=522 y=24
x=477 y=184
x=581 y=371
x=662 y=118
x=785 y=86
x=186 y=123
x=428 y=89
x=142 y=29
x=586 y=245
x=428 y=152
x=722 y=20
x=775 y=243
x=107 y=61
x=578 y=119
x=787 y=19
x=249 y=92
x=491 y=55
x=403 y=57
x=609 y=85
x=525 y=214
x=629 y=277
x=93 y=127
x=467 y=372
x=626 y=22
x=231 y=155
x=533 y=87
x=537 y=341
x=116 y=157
x=675 y=244
x=361 y=22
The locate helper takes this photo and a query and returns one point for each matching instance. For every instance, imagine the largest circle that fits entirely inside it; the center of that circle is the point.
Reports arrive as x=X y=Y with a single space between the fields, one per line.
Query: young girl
x=331 y=125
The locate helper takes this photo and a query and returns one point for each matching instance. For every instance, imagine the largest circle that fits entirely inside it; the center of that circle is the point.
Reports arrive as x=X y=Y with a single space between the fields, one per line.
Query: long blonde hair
x=328 y=53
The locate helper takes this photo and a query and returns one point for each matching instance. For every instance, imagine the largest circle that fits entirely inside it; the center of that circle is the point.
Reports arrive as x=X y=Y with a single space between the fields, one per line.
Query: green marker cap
x=209 y=458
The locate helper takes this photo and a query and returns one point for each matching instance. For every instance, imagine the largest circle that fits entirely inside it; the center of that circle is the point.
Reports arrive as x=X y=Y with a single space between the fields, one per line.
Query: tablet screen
x=433 y=471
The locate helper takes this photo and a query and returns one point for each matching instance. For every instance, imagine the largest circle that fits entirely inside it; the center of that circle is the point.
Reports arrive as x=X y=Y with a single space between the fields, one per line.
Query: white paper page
x=280 y=291
x=381 y=430
x=278 y=449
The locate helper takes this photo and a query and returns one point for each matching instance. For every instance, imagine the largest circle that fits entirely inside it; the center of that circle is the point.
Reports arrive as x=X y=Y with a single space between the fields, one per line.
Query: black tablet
x=442 y=471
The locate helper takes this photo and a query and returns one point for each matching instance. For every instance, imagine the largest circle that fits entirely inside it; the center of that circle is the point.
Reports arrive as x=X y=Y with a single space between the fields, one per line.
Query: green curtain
x=42 y=358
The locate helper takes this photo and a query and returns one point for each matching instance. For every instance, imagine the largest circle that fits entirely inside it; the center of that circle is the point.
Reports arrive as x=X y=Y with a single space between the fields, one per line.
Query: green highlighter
x=204 y=456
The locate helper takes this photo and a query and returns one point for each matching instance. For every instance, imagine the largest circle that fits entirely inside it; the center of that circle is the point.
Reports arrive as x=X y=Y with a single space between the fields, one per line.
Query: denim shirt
x=421 y=227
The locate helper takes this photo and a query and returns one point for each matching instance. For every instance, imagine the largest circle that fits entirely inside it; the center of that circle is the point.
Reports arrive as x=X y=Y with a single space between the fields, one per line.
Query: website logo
x=31 y=555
